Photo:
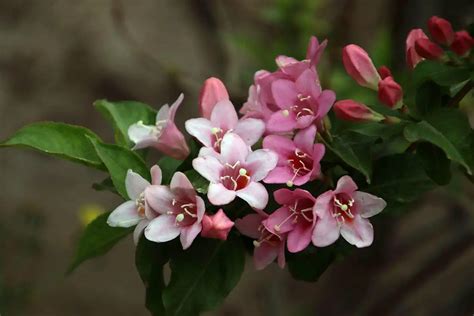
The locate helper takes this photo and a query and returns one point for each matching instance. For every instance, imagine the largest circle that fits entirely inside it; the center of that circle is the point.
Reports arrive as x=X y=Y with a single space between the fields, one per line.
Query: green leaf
x=399 y=178
x=428 y=98
x=199 y=182
x=168 y=167
x=60 y=140
x=105 y=185
x=310 y=264
x=203 y=275
x=435 y=162
x=442 y=74
x=97 y=239
x=118 y=160
x=448 y=129
x=355 y=150
x=123 y=114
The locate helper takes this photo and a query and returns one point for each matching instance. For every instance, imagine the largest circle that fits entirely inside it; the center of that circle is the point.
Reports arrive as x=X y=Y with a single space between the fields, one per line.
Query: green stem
x=461 y=94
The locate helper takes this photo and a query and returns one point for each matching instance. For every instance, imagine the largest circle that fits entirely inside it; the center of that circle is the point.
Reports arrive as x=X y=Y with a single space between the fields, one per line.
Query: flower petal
x=137 y=233
x=325 y=232
x=181 y=182
x=249 y=224
x=142 y=135
x=279 y=175
x=160 y=198
x=200 y=128
x=135 y=184
x=163 y=113
x=283 y=146
x=174 y=107
x=325 y=101
x=162 y=229
x=219 y=195
x=233 y=148
x=280 y=221
x=264 y=255
x=189 y=233
x=224 y=115
x=359 y=232
x=208 y=167
x=307 y=83
x=345 y=184
x=125 y=215
x=284 y=92
x=279 y=122
x=260 y=163
x=299 y=238
x=250 y=130
x=255 y=195
x=305 y=138
x=156 y=175
x=323 y=205
x=368 y=205
x=172 y=142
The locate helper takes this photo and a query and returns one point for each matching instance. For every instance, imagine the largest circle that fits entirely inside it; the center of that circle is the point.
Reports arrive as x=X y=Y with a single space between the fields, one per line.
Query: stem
x=461 y=94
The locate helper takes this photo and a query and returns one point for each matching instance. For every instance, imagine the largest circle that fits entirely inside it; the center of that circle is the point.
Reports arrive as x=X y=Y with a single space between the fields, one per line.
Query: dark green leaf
x=203 y=276
x=105 y=185
x=310 y=264
x=199 y=182
x=442 y=74
x=123 y=114
x=118 y=160
x=97 y=239
x=428 y=98
x=435 y=162
x=448 y=129
x=58 y=139
x=168 y=167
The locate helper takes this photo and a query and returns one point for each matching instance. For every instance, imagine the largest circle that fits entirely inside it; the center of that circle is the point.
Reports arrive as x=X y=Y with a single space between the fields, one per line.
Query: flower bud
x=216 y=226
x=412 y=56
x=212 y=92
x=390 y=93
x=441 y=30
x=350 y=110
x=427 y=49
x=360 y=67
x=384 y=72
x=462 y=43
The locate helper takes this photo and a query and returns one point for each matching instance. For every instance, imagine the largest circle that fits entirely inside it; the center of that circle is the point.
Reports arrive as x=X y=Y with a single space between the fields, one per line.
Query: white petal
x=219 y=195
x=125 y=215
x=142 y=135
x=208 y=167
x=368 y=205
x=233 y=148
x=188 y=234
x=250 y=130
x=359 y=232
x=162 y=229
x=260 y=163
x=135 y=184
x=255 y=195
x=200 y=128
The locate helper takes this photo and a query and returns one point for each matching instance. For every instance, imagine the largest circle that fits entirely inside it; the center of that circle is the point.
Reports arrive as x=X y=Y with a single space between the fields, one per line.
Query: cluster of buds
x=419 y=46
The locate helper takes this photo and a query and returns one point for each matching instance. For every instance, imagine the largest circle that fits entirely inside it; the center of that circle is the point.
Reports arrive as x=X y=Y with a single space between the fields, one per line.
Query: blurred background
x=58 y=56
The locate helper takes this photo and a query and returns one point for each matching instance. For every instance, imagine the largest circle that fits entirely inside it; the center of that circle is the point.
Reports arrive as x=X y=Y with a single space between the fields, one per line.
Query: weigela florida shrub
x=281 y=181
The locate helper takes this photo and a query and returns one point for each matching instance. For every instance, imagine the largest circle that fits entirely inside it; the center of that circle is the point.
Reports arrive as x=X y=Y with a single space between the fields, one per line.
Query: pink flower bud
x=360 y=67
x=411 y=55
x=350 y=110
x=212 y=92
x=384 y=72
x=216 y=226
x=427 y=49
x=441 y=30
x=462 y=43
x=390 y=92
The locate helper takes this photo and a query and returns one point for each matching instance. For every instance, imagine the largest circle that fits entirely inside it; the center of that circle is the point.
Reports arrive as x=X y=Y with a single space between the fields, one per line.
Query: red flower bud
x=390 y=92
x=462 y=43
x=441 y=30
x=350 y=110
x=384 y=72
x=359 y=66
x=427 y=49
x=411 y=55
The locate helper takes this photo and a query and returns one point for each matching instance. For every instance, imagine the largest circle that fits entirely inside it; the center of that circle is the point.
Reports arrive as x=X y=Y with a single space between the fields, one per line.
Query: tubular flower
x=441 y=30
x=350 y=110
x=216 y=226
x=360 y=67
x=411 y=55
x=181 y=210
x=212 y=92
x=236 y=172
x=390 y=93
x=462 y=44
x=137 y=211
x=298 y=159
x=344 y=211
x=164 y=135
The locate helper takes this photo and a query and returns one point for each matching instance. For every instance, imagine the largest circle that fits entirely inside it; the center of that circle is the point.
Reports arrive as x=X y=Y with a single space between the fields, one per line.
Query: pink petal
x=172 y=143
x=189 y=233
x=137 y=233
x=345 y=184
x=233 y=148
x=325 y=232
x=284 y=92
x=323 y=204
x=249 y=224
x=181 y=182
x=280 y=221
x=307 y=83
x=174 y=107
x=255 y=195
x=283 y=146
x=299 y=238
x=200 y=208
x=219 y=195
x=250 y=130
x=278 y=122
x=315 y=50
x=159 y=197
x=279 y=175
x=359 y=232
x=367 y=204
x=135 y=184
x=264 y=255
x=304 y=121
x=212 y=92
x=284 y=196
x=260 y=163
x=283 y=60
x=216 y=226
x=125 y=215
x=208 y=167
x=201 y=129
x=162 y=229
x=224 y=115
x=156 y=175
x=305 y=138
x=325 y=101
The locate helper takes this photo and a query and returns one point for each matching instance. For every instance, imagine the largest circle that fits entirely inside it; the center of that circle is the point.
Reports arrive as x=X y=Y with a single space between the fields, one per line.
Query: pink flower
x=296 y=218
x=137 y=211
x=350 y=110
x=390 y=93
x=212 y=92
x=411 y=55
x=313 y=54
x=462 y=43
x=268 y=246
x=164 y=135
x=236 y=172
x=224 y=119
x=345 y=211
x=181 y=210
x=427 y=49
x=384 y=72
x=216 y=226
x=441 y=30
x=298 y=159
x=360 y=67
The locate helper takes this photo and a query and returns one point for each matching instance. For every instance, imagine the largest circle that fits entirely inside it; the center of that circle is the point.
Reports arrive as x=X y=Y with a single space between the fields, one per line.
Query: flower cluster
x=274 y=142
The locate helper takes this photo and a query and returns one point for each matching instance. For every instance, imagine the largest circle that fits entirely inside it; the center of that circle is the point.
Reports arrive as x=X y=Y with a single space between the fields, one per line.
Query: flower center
x=235 y=177
x=300 y=212
x=301 y=163
x=140 y=204
x=217 y=136
x=343 y=209
x=302 y=106
x=185 y=212
x=266 y=236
